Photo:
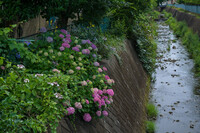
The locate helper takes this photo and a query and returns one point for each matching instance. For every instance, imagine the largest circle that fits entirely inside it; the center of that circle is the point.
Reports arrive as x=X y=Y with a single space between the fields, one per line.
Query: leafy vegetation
x=196 y=2
x=189 y=39
x=152 y=111
x=150 y=127
x=59 y=73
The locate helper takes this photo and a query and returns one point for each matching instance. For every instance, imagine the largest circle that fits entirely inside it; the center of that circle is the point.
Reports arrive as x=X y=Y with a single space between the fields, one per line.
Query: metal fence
x=191 y=8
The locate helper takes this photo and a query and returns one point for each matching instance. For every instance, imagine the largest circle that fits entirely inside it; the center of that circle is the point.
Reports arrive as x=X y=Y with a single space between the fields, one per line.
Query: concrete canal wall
x=127 y=113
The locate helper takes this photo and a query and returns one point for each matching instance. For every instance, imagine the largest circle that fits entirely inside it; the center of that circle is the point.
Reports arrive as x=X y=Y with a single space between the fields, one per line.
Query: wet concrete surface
x=173 y=89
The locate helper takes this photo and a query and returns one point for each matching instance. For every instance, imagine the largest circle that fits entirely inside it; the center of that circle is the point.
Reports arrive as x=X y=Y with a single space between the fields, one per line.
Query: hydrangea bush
x=67 y=79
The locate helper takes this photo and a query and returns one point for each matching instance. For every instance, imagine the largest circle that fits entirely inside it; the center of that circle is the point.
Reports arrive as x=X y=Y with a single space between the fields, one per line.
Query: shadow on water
x=174 y=86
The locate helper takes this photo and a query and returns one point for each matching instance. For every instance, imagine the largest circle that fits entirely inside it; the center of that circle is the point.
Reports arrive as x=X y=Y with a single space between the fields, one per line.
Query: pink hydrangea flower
x=98 y=113
x=104 y=91
x=61 y=36
x=107 y=77
x=66 y=45
x=3 y=67
x=62 y=48
x=83 y=83
x=104 y=97
x=105 y=113
x=95 y=90
x=78 y=68
x=111 y=100
x=100 y=70
x=87 y=101
x=96 y=99
x=78 y=105
x=70 y=110
x=105 y=69
x=87 y=117
x=96 y=64
x=103 y=102
x=56 y=70
x=110 y=92
x=108 y=102
x=100 y=92
x=71 y=71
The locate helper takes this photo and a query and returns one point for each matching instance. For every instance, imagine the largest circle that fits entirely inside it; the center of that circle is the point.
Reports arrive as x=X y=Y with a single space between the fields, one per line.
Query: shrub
x=150 y=127
x=66 y=79
x=152 y=111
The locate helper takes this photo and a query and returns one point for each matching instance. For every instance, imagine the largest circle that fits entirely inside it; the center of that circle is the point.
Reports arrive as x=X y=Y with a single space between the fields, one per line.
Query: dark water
x=173 y=89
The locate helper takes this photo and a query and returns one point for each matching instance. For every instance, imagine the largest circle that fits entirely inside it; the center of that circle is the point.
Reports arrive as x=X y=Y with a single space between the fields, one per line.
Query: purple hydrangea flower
x=76 y=49
x=96 y=64
x=110 y=92
x=84 y=41
x=61 y=36
x=94 y=55
x=105 y=113
x=86 y=51
x=28 y=43
x=98 y=113
x=93 y=46
x=66 y=45
x=43 y=30
x=62 y=48
x=87 y=117
x=49 y=39
x=67 y=40
x=63 y=31
x=68 y=36
x=18 y=56
x=70 y=110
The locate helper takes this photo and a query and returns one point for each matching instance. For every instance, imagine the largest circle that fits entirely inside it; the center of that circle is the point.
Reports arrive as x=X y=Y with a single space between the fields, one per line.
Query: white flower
x=38 y=75
x=20 y=66
x=58 y=95
x=26 y=80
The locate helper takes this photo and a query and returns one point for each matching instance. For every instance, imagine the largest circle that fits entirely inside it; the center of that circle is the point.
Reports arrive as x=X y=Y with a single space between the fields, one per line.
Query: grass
x=152 y=111
x=150 y=127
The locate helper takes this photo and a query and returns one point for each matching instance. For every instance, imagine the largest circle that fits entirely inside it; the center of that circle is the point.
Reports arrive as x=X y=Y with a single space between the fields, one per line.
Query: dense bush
x=65 y=79
x=189 y=39
x=196 y=2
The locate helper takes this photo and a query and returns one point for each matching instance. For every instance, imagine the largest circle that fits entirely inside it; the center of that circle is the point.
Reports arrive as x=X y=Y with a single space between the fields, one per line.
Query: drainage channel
x=173 y=89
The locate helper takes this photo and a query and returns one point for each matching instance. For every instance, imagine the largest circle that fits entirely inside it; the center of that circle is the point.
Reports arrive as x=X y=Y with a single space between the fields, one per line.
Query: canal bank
x=178 y=106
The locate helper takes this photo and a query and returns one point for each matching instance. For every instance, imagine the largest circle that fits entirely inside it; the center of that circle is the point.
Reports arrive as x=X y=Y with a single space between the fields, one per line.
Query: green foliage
x=106 y=42
x=67 y=77
x=150 y=127
x=28 y=102
x=197 y=2
x=152 y=111
x=144 y=32
x=189 y=39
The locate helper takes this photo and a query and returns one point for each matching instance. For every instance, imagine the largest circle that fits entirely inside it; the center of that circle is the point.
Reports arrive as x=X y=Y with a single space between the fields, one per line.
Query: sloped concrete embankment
x=192 y=21
x=127 y=113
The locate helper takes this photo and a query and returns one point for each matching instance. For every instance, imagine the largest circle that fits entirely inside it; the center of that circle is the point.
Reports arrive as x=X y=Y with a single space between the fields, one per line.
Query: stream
x=173 y=89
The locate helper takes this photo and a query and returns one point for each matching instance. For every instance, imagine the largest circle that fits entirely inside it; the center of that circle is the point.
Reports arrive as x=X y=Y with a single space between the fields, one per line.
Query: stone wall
x=192 y=21
x=127 y=114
